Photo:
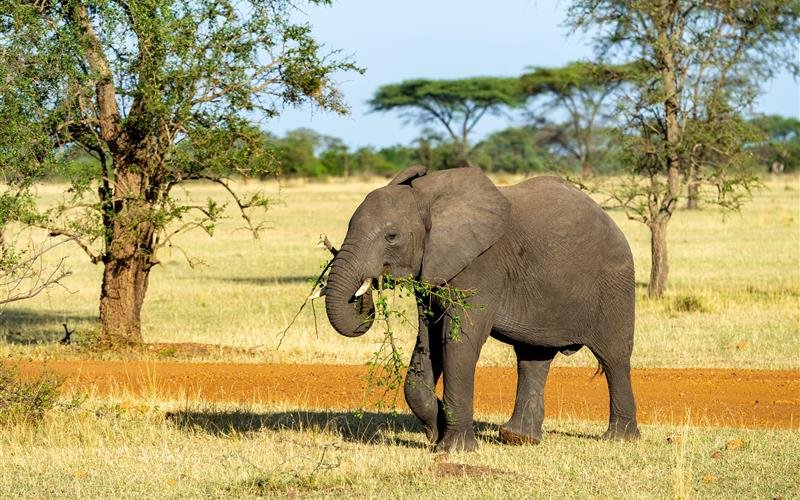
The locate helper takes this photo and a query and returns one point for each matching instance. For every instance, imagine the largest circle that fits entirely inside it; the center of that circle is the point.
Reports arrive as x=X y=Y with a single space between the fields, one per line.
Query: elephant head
x=426 y=226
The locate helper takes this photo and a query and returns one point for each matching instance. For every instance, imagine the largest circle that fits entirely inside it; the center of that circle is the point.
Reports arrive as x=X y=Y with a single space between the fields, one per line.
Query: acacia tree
x=457 y=105
x=160 y=92
x=584 y=90
x=703 y=63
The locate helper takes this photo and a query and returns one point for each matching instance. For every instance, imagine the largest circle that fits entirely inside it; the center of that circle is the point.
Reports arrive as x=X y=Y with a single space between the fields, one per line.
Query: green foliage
x=569 y=80
x=780 y=144
x=436 y=152
x=26 y=401
x=306 y=153
x=582 y=92
x=23 y=273
x=700 y=66
x=158 y=93
x=386 y=366
x=515 y=149
x=485 y=92
x=296 y=153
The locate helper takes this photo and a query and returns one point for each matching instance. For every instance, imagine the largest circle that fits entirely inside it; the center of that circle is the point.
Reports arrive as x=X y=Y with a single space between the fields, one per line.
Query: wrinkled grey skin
x=552 y=272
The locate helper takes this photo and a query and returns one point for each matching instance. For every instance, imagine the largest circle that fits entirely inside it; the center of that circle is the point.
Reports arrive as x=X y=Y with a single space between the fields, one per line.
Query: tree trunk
x=659 y=265
x=586 y=168
x=129 y=256
x=462 y=153
x=692 y=200
x=121 y=298
x=692 y=189
x=661 y=209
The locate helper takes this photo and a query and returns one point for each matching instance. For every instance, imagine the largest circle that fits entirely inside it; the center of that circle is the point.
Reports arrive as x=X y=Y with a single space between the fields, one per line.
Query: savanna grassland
x=733 y=302
x=151 y=449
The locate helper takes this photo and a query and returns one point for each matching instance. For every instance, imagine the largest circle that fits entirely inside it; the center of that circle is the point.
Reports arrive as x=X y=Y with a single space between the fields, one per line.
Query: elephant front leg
x=461 y=354
x=525 y=425
x=424 y=371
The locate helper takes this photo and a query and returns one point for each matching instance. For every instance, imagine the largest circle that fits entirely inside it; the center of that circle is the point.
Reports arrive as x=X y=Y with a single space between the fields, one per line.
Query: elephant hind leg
x=525 y=425
x=622 y=405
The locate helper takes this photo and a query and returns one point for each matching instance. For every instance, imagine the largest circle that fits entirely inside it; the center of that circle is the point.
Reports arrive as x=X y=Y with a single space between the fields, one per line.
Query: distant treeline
x=526 y=149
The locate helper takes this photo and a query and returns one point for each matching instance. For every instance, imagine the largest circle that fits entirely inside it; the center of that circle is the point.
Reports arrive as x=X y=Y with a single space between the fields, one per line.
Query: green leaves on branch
x=455 y=95
x=386 y=366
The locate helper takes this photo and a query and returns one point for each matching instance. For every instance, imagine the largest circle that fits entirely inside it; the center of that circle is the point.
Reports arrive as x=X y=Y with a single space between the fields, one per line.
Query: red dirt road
x=710 y=397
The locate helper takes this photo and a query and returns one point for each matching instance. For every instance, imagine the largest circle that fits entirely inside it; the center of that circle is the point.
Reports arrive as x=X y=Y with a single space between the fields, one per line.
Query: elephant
x=550 y=271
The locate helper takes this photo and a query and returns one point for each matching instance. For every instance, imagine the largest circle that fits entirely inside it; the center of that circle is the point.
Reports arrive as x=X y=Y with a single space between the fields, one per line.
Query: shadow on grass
x=29 y=326
x=371 y=428
x=579 y=435
x=267 y=280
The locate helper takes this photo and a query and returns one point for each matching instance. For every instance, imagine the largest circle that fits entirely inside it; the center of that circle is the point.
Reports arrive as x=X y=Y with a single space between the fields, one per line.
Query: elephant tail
x=597 y=372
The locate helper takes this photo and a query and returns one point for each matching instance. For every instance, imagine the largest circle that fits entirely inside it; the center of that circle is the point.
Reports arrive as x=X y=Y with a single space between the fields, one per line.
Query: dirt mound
x=708 y=397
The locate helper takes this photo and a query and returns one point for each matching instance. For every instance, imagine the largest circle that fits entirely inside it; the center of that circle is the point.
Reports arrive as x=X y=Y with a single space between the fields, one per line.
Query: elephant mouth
x=377 y=283
x=348 y=300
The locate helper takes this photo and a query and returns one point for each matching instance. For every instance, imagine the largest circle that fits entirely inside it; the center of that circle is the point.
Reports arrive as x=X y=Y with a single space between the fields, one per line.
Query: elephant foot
x=431 y=433
x=453 y=441
x=511 y=437
x=621 y=431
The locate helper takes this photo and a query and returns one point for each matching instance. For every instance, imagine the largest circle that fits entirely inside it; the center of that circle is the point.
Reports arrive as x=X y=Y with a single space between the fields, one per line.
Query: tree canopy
x=583 y=90
x=457 y=105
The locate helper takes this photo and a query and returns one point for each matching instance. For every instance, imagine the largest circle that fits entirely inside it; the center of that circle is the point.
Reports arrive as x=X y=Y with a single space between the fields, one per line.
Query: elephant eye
x=391 y=237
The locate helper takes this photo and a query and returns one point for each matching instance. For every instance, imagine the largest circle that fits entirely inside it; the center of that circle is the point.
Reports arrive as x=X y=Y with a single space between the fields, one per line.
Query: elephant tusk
x=364 y=287
x=318 y=292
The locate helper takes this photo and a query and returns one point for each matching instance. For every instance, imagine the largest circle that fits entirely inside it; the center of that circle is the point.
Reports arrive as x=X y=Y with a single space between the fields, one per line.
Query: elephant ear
x=408 y=175
x=464 y=214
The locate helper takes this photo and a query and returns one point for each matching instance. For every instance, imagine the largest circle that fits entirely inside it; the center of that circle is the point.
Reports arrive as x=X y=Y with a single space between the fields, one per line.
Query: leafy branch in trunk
x=386 y=368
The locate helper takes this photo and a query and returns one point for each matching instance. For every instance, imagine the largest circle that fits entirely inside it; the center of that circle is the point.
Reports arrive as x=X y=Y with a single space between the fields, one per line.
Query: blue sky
x=397 y=41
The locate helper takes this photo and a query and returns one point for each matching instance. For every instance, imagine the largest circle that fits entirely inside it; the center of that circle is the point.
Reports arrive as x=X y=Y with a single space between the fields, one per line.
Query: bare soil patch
x=707 y=397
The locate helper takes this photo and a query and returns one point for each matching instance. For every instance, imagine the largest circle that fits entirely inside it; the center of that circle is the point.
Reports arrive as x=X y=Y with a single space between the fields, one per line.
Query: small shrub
x=26 y=401
x=687 y=304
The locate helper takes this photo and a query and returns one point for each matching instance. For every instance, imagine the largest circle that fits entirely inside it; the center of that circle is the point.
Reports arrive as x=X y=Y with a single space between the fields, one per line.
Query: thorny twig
x=28 y=278
x=323 y=242
x=303 y=305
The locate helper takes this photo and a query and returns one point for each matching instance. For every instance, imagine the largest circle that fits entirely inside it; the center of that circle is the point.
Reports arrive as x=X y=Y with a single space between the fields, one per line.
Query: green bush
x=26 y=401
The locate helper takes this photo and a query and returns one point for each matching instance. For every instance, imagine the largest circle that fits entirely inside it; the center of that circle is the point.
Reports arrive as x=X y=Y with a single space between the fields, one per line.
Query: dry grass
x=732 y=302
x=124 y=448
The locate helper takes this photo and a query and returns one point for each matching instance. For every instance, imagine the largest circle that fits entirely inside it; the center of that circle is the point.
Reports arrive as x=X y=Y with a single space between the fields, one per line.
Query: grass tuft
x=687 y=304
x=26 y=401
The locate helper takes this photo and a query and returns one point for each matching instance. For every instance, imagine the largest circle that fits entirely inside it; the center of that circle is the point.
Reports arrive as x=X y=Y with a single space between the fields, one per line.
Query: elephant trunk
x=350 y=316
